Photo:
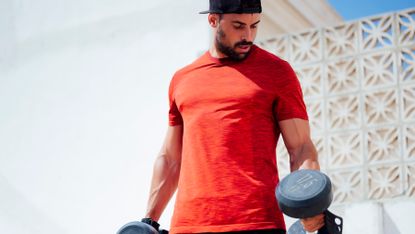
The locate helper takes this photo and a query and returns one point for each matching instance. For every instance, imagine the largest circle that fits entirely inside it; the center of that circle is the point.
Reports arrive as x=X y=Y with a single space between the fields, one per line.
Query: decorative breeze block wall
x=358 y=81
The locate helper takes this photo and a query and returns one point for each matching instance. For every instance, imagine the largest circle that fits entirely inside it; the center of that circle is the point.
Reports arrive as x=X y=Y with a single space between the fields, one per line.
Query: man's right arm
x=166 y=172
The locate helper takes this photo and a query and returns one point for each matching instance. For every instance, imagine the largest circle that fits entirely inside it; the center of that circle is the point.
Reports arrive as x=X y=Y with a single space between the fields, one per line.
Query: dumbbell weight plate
x=137 y=227
x=304 y=193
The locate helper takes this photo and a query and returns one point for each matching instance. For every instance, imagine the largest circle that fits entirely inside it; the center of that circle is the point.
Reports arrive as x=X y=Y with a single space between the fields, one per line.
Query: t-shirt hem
x=171 y=123
x=294 y=116
x=225 y=228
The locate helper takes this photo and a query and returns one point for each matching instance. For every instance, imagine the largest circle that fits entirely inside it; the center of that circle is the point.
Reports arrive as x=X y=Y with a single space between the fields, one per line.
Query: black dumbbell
x=137 y=227
x=307 y=193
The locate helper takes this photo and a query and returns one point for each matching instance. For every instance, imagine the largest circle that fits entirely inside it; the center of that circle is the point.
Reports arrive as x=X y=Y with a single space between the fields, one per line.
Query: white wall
x=83 y=107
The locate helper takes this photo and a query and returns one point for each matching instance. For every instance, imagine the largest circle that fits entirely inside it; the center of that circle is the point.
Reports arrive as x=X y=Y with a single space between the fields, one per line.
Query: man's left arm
x=303 y=155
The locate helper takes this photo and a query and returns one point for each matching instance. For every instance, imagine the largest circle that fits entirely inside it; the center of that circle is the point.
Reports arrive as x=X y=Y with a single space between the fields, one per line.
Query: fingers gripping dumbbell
x=307 y=193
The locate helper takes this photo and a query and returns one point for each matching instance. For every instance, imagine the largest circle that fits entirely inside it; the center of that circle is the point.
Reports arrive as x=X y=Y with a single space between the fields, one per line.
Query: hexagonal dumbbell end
x=137 y=227
x=307 y=193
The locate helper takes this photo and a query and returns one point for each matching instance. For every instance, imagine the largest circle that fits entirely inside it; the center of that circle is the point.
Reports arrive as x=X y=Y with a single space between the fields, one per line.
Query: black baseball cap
x=233 y=6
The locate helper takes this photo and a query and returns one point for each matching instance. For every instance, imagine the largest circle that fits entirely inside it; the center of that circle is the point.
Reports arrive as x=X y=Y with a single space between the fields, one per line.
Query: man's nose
x=247 y=35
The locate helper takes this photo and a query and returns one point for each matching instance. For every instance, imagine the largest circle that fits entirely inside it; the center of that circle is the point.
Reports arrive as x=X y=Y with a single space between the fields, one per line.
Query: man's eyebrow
x=256 y=23
x=242 y=23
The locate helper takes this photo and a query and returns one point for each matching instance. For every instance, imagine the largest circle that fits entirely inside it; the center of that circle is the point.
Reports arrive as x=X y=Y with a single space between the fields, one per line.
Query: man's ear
x=213 y=20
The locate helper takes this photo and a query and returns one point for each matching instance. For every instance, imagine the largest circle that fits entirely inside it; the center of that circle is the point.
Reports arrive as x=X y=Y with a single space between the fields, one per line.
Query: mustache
x=244 y=43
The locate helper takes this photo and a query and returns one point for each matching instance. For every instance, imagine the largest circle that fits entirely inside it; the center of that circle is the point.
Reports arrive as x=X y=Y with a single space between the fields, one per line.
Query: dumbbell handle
x=333 y=224
x=330 y=225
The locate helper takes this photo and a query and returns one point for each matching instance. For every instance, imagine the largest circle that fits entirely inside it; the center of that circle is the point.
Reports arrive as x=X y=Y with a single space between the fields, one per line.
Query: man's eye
x=238 y=26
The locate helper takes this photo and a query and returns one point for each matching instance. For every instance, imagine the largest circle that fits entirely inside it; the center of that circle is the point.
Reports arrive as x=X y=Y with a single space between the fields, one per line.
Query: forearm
x=163 y=185
x=304 y=157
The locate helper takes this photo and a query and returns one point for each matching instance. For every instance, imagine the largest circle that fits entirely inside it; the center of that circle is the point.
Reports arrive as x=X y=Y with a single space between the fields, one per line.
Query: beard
x=230 y=50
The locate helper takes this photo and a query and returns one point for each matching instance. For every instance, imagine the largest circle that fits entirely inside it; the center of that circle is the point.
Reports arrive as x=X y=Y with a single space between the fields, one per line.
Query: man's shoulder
x=189 y=69
x=193 y=66
x=271 y=61
x=268 y=56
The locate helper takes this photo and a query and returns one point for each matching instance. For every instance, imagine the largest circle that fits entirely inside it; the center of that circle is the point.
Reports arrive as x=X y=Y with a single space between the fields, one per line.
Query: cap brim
x=245 y=11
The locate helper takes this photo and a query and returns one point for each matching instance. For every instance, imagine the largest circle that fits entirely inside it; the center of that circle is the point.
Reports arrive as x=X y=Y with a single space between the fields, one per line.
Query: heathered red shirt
x=230 y=113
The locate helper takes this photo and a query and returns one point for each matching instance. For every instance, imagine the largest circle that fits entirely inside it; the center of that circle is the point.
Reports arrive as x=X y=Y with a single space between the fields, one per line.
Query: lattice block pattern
x=311 y=79
x=408 y=103
x=379 y=70
x=381 y=107
x=407 y=64
x=384 y=181
x=277 y=46
x=341 y=40
x=383 y=145
x=358 y=81
x=377 y=32
x=410 y=180
x=283 y=160
x=348 y=186
x=342 y=76
x=409 y=141
x=406 y=27
x=345 y=149
x=306 y=47
x=343 y=112
x=315 y=115
x=321 y=151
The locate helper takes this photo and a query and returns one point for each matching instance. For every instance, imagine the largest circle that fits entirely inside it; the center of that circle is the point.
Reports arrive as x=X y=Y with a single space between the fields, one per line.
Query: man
x=227 y=111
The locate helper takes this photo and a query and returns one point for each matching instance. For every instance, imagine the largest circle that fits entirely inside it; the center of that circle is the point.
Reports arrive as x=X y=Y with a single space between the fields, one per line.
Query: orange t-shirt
x=230 y=112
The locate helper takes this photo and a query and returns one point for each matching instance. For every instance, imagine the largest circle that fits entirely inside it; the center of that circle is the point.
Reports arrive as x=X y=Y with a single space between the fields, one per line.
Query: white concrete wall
x=387 y=217
x=83 y=107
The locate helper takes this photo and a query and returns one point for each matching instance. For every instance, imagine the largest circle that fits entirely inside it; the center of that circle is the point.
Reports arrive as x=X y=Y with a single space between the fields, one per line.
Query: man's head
x=235 y=25
x=234 y=33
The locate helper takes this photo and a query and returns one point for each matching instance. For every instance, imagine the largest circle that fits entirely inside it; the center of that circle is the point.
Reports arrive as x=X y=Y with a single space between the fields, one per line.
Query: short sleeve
x=290 y=102
x=175 y=118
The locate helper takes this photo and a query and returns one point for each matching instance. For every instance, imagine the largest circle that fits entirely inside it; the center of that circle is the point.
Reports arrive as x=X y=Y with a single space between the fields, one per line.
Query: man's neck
x=214 y=52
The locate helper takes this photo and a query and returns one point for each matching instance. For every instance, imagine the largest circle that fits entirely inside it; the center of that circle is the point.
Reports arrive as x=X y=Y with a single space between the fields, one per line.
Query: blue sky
x=354 y=9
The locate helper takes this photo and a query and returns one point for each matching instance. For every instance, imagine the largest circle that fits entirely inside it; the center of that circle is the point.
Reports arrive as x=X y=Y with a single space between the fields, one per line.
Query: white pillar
x=363 y=218
x=398 y=217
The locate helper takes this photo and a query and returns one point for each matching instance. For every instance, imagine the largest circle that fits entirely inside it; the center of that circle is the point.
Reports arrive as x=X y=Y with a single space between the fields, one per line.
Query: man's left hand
x=314 y=223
